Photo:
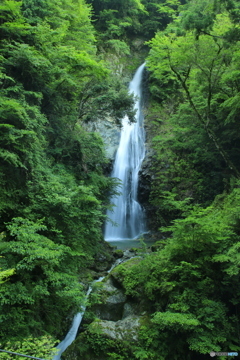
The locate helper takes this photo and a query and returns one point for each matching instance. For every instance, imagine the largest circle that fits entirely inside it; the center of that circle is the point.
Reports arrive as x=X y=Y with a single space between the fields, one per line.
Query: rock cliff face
x=109 y=132
x=146 y=174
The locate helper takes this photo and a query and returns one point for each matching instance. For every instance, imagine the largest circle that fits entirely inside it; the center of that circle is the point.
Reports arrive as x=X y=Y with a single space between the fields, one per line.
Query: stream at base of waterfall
x=127 y=213
x=72 y=333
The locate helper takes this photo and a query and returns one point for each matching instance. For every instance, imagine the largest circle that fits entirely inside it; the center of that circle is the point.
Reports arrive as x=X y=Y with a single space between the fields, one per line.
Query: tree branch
x=210 y=133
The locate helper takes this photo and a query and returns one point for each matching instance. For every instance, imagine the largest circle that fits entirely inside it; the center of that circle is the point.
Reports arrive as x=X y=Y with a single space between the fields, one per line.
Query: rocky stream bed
x=112 y=318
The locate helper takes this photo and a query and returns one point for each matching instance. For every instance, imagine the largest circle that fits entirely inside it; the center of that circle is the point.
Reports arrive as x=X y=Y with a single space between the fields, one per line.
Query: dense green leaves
x=42 y=347
x=187 y=289
x=189 y=285
x=195 y=108
x=38 y=263
x=124 y=19
x=53 y=190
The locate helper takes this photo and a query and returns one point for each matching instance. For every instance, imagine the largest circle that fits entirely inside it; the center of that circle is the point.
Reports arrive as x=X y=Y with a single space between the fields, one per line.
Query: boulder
x=121 y=330
x=103 y=259
x=118 y=253
x=130 y=309
x=118 y=272
x=112 y=302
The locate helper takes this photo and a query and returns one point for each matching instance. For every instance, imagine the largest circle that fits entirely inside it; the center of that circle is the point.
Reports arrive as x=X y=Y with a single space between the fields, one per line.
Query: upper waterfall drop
x=127 y=212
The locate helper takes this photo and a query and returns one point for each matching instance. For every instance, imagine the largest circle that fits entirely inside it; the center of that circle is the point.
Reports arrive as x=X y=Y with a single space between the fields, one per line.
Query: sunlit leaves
x=5 y=274
x=33 y=248
x=175 y=321
x=32 y=346
x=39 y=275
x=13 y=23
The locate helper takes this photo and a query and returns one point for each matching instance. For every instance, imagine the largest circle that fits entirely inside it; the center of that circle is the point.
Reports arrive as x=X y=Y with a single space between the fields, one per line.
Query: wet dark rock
x=103 y=260
x=130 y=309
x=128 y=254
x=112 y=302
x=118 y=253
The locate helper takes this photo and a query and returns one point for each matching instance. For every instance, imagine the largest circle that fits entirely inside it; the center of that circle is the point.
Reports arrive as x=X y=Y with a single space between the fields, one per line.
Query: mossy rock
x=103 y=259
x=118 y=253
x=93 y=344
x=118 y=272
x=111 y=301
x=158 y=245
x=121 y=330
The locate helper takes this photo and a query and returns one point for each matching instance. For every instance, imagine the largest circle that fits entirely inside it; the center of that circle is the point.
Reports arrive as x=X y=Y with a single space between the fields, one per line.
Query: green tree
x=48 y=57
x=198 y=66
x=40 y=278
x=38 y=347
x=117 y=19
x=187 y=285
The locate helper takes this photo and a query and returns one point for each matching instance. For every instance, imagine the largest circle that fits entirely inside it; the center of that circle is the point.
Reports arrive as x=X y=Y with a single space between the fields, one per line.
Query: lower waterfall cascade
x=128 y=214
x=72 y=333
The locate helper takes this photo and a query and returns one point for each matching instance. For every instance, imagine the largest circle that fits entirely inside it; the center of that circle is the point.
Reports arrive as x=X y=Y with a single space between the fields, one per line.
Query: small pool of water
x=128 y=244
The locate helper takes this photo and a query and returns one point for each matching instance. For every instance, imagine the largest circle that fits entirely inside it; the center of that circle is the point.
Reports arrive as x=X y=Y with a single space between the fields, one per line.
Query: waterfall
x=128 y=213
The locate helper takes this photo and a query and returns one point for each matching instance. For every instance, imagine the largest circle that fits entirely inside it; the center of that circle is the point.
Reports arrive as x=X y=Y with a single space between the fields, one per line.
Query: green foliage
x=42 y=347
x=199 y=15
x=40 y=277
x=186 y=172
x=116 y=19
x=175 y=321
x=195 y=130
x=119 y=47
x=107 y=98
x=188 y=285
x=121 y=20
x=160 y=13
x=4 y=275
x=13 y=24
x=53 y=190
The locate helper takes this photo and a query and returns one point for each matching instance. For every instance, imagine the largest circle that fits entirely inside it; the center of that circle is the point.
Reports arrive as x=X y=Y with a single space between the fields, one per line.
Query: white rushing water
x=72 y=333
x=127 y=212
